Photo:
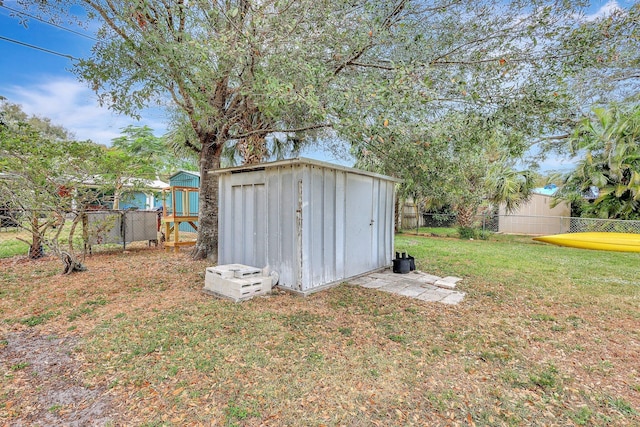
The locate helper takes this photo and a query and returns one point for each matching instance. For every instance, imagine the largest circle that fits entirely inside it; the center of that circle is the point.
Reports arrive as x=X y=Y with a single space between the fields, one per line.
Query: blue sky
x=42 y=82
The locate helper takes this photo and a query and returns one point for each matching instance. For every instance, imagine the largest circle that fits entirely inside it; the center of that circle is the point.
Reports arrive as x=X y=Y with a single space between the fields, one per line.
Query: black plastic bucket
x=402 y=265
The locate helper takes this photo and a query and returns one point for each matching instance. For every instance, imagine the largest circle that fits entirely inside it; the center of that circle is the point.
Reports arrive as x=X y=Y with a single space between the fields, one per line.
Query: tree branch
x=623 y=78
x=495 y=35
x=357 y=55
x=387 y=23
x=363 y=65
x=271 y=130
x=110 y=22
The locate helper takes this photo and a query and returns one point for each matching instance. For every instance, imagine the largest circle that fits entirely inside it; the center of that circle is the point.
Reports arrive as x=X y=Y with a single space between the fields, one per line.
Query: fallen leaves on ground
x=134 y=340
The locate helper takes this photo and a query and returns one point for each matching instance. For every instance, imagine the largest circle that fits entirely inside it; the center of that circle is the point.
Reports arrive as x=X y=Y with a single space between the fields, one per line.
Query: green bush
x=467 y=232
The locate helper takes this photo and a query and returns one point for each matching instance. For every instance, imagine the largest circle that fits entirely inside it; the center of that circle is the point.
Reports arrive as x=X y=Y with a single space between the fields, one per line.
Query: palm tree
x=508 y=186
x=610 y=141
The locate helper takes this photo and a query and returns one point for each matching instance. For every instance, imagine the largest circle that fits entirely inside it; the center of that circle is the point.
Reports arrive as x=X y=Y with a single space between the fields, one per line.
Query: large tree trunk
x=116 y=195
x=466 y=215
x=253 y=149
x=35 y=251
x=207 y=243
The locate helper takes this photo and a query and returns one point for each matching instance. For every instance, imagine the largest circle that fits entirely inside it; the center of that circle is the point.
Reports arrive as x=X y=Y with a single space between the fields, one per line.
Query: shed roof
x=547 y=190
x=301 y=161
x=128 y=182
x=154 y=184
x=182 y=171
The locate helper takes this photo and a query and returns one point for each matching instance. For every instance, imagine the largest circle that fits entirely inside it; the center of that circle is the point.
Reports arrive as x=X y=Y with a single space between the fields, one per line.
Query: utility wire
x=53 y=52
x=47 y=22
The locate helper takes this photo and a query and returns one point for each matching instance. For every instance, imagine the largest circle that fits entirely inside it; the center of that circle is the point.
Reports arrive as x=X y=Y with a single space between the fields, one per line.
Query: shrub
x=467 y=232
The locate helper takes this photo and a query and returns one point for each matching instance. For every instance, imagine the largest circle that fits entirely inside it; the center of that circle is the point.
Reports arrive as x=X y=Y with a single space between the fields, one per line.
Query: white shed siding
x=312 y=222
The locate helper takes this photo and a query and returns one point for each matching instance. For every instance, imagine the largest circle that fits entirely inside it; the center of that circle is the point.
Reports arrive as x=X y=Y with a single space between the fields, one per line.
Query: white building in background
x=537 y=216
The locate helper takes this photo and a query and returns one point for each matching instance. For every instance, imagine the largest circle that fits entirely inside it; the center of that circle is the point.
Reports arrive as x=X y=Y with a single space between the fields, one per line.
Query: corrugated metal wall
x=312 y=223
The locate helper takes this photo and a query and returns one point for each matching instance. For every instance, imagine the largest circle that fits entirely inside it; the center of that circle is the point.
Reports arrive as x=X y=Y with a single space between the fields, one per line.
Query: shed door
x=359 y=225
x=249 y=224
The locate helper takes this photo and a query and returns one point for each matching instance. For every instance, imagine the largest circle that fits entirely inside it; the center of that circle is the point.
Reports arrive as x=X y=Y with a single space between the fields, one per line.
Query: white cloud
x=605 y=10
x=558 y=163
x=70 y=104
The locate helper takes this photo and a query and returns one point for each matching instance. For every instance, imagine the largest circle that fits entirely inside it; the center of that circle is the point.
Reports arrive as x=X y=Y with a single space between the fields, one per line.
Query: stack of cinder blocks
x=236 y=282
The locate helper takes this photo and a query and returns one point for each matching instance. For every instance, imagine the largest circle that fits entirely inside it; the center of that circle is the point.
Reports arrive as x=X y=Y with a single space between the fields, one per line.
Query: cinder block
x=448 y=282
x=228 y=271
x=246 y=272
x=221 y=271
x=237 y=289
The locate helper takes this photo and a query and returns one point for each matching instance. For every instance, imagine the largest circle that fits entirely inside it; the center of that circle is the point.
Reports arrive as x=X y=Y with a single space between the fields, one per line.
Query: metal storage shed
x=313 y=223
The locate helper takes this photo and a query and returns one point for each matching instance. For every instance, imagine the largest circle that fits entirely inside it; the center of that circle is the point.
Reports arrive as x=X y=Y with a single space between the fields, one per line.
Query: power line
x=47 y=22
x=53 y=52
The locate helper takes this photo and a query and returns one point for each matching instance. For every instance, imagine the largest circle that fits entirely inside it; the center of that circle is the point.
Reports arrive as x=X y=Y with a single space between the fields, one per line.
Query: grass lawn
x=545 y=336
x=10 y=246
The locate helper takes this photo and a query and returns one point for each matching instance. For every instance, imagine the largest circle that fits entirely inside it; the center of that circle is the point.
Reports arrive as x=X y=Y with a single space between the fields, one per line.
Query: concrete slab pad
x=443 y=292
x=426 y=278
x=445 y=285
x=408 y=282
x=453 y=298
x=380 y=275
x=411 y=291
x=448 y=282
x=430 y=296
x=394 y=277
x=375 y=284
x=418 y=285
x=393 y=287
x=425 y=287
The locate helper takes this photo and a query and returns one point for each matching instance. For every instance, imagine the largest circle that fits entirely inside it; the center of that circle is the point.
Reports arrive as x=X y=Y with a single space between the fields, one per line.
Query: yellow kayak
x=621 y=242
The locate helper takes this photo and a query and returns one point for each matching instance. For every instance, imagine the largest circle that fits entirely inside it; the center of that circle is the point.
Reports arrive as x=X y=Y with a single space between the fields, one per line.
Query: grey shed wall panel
x=312 y=222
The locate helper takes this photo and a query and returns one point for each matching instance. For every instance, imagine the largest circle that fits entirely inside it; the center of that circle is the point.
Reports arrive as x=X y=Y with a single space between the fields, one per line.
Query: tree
x=242 y=70
x=609 y=70
x=12 y=114
x=609 y=142
x=137 y=157
x=43 y=174
x=464 y=161
x=153 y=152
x=276 y=147
x=131 y=158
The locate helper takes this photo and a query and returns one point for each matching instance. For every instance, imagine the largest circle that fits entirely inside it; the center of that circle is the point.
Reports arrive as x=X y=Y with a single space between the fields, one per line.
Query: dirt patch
x=43 y=381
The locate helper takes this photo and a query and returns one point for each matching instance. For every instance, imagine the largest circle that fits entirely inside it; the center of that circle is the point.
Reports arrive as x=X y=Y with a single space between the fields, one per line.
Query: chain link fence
x=577 y=225
x=96 y=231
x=485 y=222
x=522 y=224
x=104 y=231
